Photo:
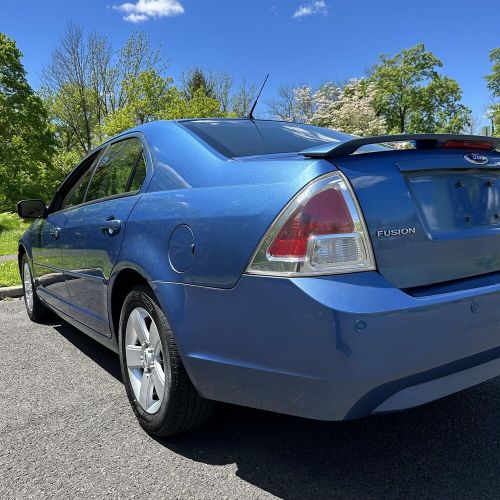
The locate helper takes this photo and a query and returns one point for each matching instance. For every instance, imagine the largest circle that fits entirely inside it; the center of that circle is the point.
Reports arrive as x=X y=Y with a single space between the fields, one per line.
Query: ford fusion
x=275 y=265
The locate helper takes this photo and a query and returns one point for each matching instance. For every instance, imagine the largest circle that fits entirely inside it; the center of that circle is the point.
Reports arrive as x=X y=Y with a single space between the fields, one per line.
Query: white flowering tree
x=324 y=102
x=353 y=110
x=303 y=104
x=349 y=107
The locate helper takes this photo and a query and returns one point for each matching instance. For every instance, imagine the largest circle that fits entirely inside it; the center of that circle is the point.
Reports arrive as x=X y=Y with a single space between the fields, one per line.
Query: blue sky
x=297 y=41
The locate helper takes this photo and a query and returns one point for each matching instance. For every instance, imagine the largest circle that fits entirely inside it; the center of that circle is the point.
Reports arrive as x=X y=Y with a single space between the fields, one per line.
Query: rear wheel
x=34 y=307
x=161 y=394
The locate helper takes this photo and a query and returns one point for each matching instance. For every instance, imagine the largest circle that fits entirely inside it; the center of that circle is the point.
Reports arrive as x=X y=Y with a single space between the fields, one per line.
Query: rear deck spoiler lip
x=422 y=141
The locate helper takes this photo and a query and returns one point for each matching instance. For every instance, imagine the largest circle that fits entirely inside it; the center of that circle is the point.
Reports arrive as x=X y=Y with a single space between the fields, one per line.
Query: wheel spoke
x=154 y=336
x=145 y=392
x=158 y=380
x=133 y=355
x=139 y=325
x=28 y=287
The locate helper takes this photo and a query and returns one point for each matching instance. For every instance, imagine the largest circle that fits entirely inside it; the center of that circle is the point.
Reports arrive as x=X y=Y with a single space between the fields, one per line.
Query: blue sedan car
x=276 y=265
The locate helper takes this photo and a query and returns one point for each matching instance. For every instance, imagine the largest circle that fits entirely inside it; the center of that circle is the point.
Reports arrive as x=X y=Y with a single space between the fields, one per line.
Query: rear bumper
x=332 y=348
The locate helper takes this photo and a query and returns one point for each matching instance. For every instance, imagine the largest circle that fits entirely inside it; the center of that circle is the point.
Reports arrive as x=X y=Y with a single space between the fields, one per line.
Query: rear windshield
x=234 y=138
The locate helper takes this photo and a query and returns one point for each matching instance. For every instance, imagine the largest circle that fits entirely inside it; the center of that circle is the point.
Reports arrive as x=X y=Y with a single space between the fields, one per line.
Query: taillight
x=321 y=231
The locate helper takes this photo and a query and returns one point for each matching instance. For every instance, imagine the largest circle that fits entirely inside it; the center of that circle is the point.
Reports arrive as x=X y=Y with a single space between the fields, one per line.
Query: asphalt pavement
x=66 y=431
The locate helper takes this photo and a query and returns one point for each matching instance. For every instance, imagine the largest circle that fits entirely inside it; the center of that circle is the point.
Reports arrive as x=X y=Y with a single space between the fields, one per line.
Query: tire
x=148 y=357
x=37 y=312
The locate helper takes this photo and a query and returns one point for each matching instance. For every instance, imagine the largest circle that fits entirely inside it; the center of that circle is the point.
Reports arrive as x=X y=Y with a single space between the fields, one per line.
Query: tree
x=324 y=100
x=493 y=80
x=221 y=84
x=151 y=97
x=199 y=106
x=84 y=83
x=146 y=96
x=243 y=99
x=304 y=104
x=412 y=96
x=300 y=104
x=283 y=107
x=353 y=111
x=195 y=80
x=26 y=139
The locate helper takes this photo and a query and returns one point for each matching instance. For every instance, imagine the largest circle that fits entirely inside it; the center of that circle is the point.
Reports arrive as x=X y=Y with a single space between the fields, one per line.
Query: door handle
x=111 y=227
x=55 y=232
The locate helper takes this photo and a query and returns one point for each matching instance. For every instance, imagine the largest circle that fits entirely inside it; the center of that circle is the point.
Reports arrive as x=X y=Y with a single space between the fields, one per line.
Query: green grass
x=11 y=229
x=9 y=273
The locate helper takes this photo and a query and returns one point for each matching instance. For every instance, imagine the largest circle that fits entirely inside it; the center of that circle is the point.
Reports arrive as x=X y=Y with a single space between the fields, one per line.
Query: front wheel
x=161 y=394
x=36 y=310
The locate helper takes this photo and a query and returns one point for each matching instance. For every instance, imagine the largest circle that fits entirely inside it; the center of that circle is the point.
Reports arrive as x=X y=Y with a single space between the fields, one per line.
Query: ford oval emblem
x=477 y=158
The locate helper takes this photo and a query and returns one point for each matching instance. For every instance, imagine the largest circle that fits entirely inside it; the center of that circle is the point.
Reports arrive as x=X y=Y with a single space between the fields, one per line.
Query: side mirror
x=31 y=209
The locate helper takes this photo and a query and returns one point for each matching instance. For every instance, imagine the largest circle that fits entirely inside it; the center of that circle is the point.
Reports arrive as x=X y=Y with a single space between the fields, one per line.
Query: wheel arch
x=120 y=284
x=21 y=252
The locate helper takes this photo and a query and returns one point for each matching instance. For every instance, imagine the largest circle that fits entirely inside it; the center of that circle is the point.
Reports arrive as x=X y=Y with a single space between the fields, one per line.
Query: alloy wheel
x=145 y=360
x=28 y=287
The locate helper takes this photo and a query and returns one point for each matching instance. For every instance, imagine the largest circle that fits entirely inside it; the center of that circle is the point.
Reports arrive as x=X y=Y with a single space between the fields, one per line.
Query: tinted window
x=113 y=174
x=77 y=192
x=139 y=174
x=257 y=137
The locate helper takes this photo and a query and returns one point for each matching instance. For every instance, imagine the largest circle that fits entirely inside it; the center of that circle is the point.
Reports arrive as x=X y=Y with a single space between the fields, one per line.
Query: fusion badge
x=405 y=231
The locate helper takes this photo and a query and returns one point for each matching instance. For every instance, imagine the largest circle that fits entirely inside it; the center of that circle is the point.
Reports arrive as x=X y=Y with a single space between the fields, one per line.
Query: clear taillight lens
x=321 y=231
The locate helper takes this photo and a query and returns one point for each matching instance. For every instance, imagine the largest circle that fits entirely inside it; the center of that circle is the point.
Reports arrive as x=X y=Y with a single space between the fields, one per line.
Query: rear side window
x=139 y=174
x=76 y=194
x=116 y=172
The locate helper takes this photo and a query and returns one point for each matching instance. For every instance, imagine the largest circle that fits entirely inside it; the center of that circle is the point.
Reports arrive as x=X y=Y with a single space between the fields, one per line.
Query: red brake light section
x=486 y=145
x=324 y=213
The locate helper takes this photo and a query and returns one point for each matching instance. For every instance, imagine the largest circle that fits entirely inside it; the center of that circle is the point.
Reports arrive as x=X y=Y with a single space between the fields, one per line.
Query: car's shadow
x=96 y=352
x=450 y=448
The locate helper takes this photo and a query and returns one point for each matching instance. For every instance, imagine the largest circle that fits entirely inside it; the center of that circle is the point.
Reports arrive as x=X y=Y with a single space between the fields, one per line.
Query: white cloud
x=311 y=8
x=143 y=10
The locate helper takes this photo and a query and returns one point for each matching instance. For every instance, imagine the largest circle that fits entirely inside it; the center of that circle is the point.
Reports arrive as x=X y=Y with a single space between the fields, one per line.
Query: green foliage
x=62 y=164
x=150 y=97
x=93 y=94
x=86 y=81
x=199 y=105
x=196 y=83
x=494 y=114
x=145 y=96
x=26 y=139
x=412 y=96
x=11 y=229
x=9 y=221
x=9 y=273
x=493 y=80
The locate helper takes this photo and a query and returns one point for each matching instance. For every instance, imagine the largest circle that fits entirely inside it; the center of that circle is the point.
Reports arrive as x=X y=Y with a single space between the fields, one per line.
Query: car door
x=94 y=231
x=49 y=236
x=47 y=261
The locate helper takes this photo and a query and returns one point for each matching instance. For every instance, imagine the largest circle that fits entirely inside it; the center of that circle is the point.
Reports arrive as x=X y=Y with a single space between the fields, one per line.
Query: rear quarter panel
x=228 y=205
